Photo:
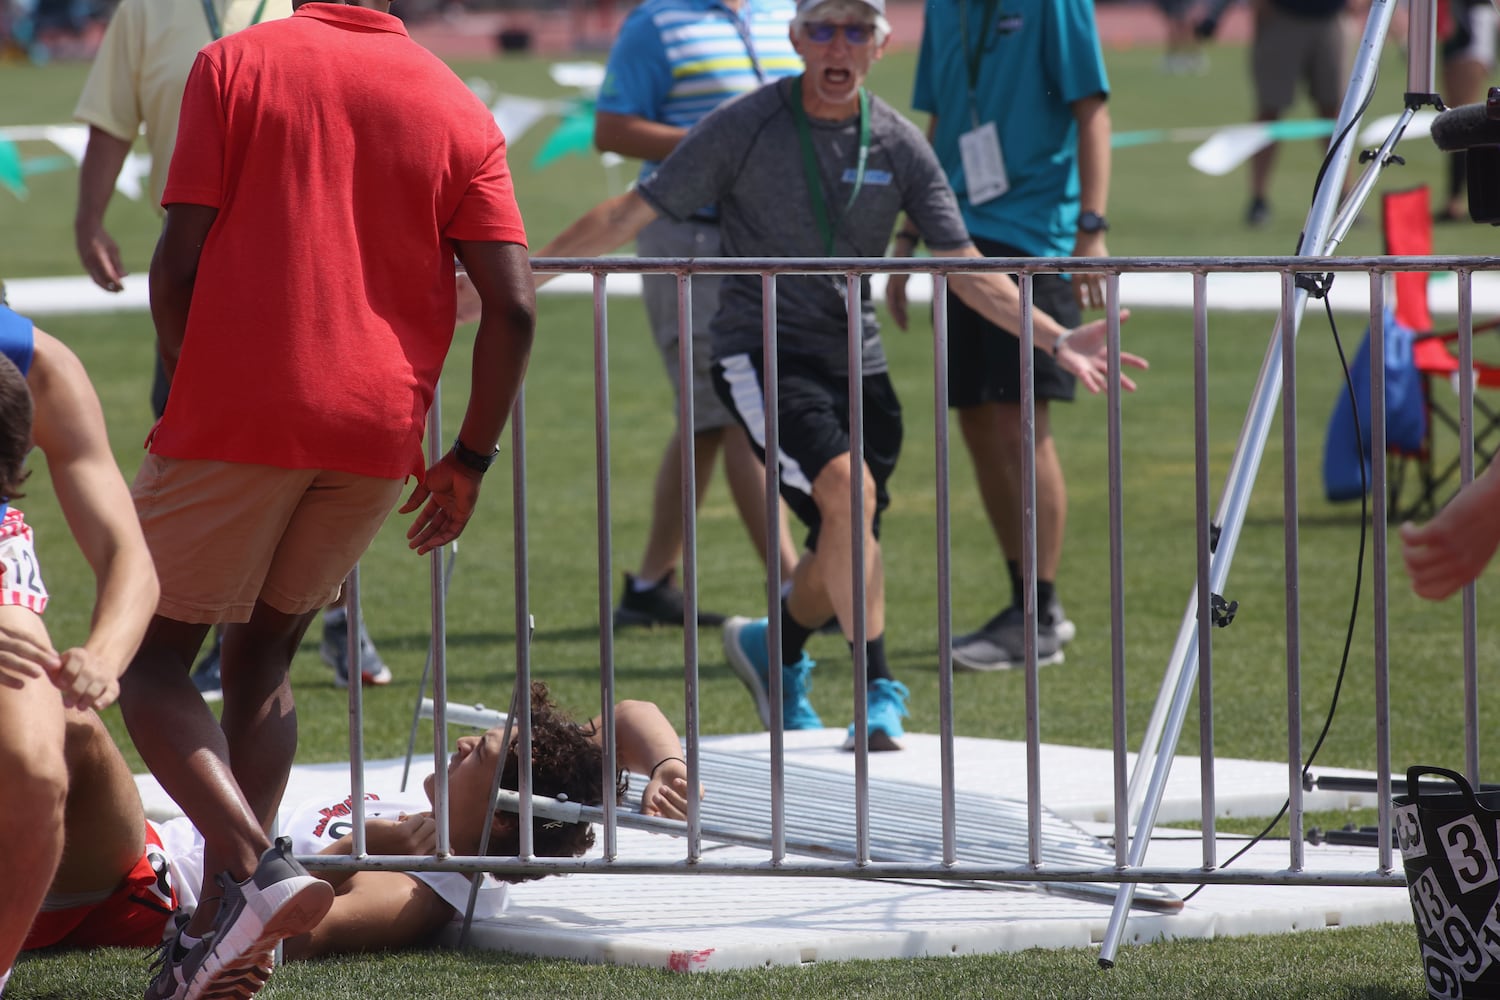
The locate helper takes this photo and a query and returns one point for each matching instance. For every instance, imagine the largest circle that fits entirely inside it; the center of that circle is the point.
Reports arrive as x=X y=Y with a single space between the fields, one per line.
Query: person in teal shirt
x=1017 y=91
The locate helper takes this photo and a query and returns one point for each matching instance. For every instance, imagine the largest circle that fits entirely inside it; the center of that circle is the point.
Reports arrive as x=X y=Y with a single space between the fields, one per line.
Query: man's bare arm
x=501 y=273
x=1092 y=115
x=632 y=135
x=174 y=270
x=1081 y=351
x=605 y=227
x=102 y=159
x=69 y=428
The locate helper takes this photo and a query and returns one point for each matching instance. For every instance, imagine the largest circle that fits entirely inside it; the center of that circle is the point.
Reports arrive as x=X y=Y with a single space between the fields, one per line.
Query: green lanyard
x=821 y=213
x=213 y=18
x=973 y=57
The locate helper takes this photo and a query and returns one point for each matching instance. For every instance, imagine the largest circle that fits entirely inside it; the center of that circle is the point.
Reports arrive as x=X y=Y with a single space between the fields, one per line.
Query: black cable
x=1320 y=290
x=1359 y=576
x=1328 y=156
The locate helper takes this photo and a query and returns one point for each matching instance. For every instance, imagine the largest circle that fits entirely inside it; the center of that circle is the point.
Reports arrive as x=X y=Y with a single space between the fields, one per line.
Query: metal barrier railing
x=1136 y=796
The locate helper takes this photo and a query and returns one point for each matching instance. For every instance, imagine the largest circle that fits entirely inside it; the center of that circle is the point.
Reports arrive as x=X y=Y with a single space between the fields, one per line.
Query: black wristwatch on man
x=1092 y=222
x=471 y=459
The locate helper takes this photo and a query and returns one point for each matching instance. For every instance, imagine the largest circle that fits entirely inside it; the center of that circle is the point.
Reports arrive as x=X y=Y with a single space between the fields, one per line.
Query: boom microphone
x=1474 y=130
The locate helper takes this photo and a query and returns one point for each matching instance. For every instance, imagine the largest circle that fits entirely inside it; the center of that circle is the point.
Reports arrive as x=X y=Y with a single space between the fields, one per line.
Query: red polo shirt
x=343 y=159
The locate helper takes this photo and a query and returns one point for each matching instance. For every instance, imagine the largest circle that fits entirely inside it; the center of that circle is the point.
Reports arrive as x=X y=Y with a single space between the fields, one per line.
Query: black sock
x=1017 y=584
x=875 y=666
x=1046 y=591
x=793 y=637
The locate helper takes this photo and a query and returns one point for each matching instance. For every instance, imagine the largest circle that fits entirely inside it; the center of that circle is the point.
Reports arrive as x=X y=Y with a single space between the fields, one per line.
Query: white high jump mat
x=714 y=922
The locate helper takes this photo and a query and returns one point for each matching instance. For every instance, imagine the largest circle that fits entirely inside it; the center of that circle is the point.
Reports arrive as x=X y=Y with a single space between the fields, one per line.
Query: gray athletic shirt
x=746 y=157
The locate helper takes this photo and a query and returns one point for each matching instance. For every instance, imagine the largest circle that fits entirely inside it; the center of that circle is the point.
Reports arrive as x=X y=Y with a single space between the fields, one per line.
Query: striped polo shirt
x=676 y=60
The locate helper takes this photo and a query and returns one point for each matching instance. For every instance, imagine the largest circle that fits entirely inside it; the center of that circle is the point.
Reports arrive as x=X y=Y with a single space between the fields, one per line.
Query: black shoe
x=1258 y=214
x=663 y=604
x=206 y=673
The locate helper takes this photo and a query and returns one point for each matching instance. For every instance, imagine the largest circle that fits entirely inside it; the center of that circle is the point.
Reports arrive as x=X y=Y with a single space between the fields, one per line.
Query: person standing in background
x=1017 y=94
x=674 y=62
x=1296 y=41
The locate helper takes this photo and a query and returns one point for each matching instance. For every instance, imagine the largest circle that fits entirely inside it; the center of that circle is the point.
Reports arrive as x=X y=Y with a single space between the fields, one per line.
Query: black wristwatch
x=471 y=459
x=1092 y=222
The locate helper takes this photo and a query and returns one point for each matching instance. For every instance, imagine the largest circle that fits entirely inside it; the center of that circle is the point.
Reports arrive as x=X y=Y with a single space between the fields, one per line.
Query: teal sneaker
x=745 y=646
x=886 y=703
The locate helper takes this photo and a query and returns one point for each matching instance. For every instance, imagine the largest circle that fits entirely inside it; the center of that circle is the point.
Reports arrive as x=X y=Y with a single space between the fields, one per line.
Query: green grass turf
x=1158 y=206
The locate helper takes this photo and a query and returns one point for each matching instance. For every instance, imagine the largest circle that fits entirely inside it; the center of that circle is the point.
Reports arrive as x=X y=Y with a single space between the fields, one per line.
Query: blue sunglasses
x=822 y=32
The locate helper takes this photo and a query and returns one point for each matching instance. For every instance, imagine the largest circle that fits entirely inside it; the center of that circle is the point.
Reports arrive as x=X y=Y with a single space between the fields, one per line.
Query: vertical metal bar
x=1165 y=726
x=689 y=498
x=1381 y=595
x=1421 y=46
x=439 y=646
x=1117 y=577
x=356 y=710
x=1466 y=475
x=1209 y=808
x=1250 y=448
x=522 y=617
x=856 y=338
x=941 y=456
x=1293 y=578
x=1028 y=570
x=772 y=395
x=604 y=540
x=434 y=452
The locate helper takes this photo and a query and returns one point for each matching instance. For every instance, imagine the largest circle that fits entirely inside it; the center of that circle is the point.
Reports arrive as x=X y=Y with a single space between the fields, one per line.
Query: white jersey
x=313 y=826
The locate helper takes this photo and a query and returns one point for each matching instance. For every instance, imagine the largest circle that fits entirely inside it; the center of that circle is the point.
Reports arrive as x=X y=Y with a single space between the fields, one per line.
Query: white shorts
x=20 y=573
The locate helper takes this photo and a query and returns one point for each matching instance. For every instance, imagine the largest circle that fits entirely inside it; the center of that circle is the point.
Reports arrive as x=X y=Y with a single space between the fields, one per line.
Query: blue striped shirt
x=676 y=60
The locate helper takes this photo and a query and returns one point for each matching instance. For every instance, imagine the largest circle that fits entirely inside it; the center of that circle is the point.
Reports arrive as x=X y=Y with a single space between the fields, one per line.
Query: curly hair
x=15 y=429
x=564 y=761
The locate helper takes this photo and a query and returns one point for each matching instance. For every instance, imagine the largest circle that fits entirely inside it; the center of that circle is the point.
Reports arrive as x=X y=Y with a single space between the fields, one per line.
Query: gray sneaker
x=1001 y=645
x=335 y=652
x=279 y=900
x=167 y=981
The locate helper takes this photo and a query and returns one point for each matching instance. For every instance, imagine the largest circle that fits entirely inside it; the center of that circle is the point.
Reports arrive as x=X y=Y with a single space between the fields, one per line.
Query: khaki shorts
x=666 y=238
x=225 y=535
x=1288 y=50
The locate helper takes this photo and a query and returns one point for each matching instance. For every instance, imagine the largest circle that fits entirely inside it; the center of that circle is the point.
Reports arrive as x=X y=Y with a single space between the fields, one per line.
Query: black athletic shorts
x=813 y=425
x=984 y=362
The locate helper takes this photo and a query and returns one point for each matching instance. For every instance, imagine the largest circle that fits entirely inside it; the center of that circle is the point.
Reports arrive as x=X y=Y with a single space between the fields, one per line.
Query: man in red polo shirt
x=327 y=171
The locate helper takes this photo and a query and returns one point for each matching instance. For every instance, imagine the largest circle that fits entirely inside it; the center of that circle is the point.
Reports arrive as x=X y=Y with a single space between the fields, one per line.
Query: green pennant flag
x=12 y=177
x=574 y=134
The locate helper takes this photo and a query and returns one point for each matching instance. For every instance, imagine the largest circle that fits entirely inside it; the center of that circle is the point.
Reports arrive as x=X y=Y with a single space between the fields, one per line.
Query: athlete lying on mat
x=143 y=871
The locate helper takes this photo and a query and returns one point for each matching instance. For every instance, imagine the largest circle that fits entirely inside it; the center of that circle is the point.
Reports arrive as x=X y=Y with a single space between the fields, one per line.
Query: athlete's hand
x=447 y=497
x=414 y=835
x=85 y=680
x=666 y=794
x=23 y=658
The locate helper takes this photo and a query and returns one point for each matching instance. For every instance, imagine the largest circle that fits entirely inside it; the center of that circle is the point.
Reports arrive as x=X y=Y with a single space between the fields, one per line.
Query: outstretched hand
x=447 y=496
x=1084 y=351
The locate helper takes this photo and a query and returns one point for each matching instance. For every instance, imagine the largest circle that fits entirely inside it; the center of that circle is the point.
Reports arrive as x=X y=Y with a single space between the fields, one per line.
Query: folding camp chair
x=1420 y=480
